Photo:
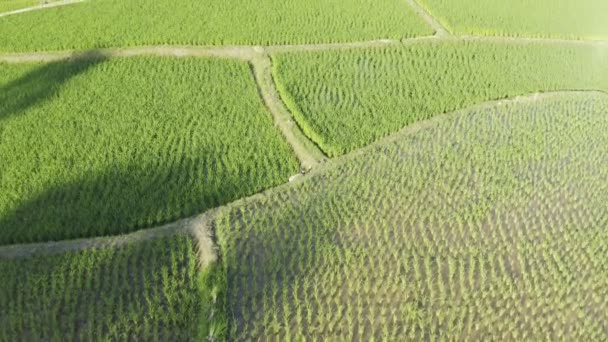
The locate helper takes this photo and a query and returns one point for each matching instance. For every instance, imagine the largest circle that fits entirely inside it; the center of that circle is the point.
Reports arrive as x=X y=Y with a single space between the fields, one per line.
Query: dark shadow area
x=121 y=200
x=43 y=82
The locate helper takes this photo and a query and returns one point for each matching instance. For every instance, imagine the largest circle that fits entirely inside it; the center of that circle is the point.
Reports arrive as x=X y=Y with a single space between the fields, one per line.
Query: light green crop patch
x=580 y=19
x=102 y=147
x=117 y=23
x=347 y=99
x=486 y=224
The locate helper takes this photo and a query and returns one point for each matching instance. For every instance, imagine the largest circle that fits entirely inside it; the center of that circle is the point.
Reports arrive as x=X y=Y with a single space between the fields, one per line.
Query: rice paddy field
x=146 y=291
x=347 y=99
x=545 y=18
x=486 y=224
x=322 y=170
x=118 y=23
x=96 y=147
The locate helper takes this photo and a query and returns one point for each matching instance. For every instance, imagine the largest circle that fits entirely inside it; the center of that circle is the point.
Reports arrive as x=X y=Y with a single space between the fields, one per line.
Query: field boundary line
x=245 y=53
x=272 y=49
x=532 y=40
x=200 y=226
x=305 y=150
x=241 y=52
x=440 y=30
x=428 y=123
x=195 y=226
x=251 y=52
x=41 y=7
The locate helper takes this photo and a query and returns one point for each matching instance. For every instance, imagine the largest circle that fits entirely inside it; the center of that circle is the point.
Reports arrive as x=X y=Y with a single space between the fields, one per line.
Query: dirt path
x=305 y=150
x=245 y=53
x=250 y=53
x=195 y=226
x=418 y=126
x=200 y=226
x=524 y=40
x=440 y=30
x=40 y=7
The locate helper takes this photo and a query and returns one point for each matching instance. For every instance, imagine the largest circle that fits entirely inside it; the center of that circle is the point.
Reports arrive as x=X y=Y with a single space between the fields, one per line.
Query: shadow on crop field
x=120 y=200
x=43 y=82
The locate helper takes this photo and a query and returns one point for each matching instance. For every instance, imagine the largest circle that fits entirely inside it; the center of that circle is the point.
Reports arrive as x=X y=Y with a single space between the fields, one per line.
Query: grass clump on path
x=148 y=291
x=347 y=99
x=487 y=224
x=581 y=19
x=103 y=147
x=119 y=23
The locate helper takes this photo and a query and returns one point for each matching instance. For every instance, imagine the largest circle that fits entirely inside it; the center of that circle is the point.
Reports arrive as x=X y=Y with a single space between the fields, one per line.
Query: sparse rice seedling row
x=146 y=291
x=487 y=225
x=348 y=99
x=118 y=23
x=581 y=19
x=103 y=147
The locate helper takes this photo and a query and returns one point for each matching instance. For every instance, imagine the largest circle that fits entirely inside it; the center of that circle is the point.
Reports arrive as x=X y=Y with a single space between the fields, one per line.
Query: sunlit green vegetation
x=102 y=147
x=488 y=224
x=108 y=23
x=347 y=99
x=146 y=291
x=584 y=19
x=11 y=5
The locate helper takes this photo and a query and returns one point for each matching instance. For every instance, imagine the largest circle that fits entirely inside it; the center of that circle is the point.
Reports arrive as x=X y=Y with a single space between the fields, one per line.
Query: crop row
x=347 y=99
x=544 y=18
x=102 y=147
x=147 y=291
x=489 y=224
x=118 y=23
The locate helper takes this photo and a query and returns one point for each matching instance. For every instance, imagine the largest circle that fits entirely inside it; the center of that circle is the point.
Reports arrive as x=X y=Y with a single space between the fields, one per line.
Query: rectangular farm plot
x=581 y=19
x=347 y=99
x=148 y=291
x=97 y=147
x=120 y=23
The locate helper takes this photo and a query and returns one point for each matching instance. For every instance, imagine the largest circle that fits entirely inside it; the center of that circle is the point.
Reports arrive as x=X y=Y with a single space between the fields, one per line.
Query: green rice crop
x=102 y=147
x=112 y=23
x=147 y=291
x=347 y=99
x=11 y=5
x=488 y=224
x=581 y=19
